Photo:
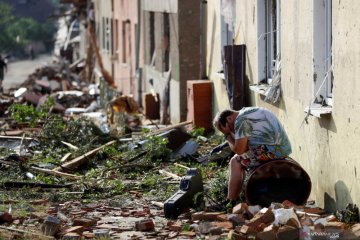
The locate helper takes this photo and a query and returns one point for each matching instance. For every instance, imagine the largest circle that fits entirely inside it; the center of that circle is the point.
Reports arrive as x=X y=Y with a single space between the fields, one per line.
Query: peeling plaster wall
x=213 y=54
x=327 y=148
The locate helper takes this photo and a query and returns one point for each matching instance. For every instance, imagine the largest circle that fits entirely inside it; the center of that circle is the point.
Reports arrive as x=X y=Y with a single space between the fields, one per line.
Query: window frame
x=322 y=52
x=269 y=38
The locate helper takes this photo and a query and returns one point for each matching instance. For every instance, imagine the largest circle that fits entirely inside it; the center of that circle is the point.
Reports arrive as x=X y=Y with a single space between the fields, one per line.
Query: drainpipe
x=137 y=49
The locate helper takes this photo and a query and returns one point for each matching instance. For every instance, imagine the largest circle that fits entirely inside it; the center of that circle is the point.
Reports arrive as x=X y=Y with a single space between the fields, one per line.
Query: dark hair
x=220 y=118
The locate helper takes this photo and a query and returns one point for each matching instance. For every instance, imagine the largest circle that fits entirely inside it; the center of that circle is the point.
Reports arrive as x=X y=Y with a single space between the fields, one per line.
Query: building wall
x=326 y=147
x=103 y=11
x=213 y=54
x=184 y=51
x=124 y=53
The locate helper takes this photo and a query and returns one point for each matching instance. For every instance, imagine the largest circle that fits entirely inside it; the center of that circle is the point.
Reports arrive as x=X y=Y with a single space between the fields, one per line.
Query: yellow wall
x=328 y=148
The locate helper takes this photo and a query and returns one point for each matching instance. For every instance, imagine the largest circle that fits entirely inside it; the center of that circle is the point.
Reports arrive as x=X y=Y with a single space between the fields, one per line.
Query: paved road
x=18 y=71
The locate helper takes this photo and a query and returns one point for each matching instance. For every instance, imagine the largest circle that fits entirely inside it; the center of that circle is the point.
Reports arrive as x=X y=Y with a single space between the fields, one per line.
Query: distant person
x=3 y=69
x=31 y=52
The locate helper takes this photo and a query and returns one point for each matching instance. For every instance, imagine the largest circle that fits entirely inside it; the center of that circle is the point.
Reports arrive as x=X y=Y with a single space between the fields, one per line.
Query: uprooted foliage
x=110 y=172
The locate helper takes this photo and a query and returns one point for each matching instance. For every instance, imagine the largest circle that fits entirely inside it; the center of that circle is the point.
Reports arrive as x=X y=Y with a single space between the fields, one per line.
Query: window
x=126 y=40
x=269 y=38
x=166 y=42
x=116 y=35
x=103 y=33
x=151 y=38
x=108 y=35
x=322 y=53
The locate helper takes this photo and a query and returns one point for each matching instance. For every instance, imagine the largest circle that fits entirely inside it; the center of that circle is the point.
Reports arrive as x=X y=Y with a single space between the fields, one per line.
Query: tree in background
x=18 y=33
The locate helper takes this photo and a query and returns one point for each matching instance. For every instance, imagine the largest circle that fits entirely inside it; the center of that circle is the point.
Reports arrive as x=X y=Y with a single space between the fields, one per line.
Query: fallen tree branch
x=169 y=174
x=76 y=162
x=158 y=131
x=55 y=173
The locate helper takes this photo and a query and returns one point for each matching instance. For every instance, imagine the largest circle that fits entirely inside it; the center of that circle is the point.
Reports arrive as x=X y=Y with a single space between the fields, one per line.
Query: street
x=19 y=70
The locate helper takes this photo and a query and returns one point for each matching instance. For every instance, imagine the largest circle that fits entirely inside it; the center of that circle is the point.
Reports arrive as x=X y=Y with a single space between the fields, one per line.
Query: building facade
x=308 y=50
x=171 y=52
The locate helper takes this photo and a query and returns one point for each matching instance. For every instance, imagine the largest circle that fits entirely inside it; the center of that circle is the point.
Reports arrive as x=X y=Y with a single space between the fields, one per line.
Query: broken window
x=269 y=40
x=166 y=42
x=227 y=27
x=322 y=53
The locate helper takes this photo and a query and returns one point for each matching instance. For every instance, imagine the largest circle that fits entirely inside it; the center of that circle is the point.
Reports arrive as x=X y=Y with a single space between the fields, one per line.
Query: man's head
x=224 y=121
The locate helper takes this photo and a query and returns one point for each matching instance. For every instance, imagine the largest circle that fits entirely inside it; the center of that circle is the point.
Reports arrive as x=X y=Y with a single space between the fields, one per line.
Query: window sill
x=259 y=88
x=220 y=75
x=317 y=110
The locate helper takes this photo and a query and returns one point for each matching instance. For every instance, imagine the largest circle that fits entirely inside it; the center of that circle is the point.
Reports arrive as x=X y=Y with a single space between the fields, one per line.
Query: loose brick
x=236 y=236
x=287 y=233
x=145 y=225
x=334 y=226
x=88 y=235
x=76 y=229
x=240 y=208
x=246 y=230
x=85 y=222
x=175 y=227
x=266 y=218
x=226 y=225
x=318 y=211
x=293 y=223
x=71 y=236
x=331 y=218
x=266 y=235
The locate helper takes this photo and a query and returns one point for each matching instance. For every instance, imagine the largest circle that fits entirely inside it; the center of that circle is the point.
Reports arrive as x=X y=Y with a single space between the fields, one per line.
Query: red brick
x=331 y=218
x=85 y=222
x=246 y=230
x=71 y=236
x=240 y=208
x=266 y=235
x=88 y=235
x=145 y=225
x=76 y=229
x=293 y=223
x=318 y=211
x=287 y=233
x=226 y=225
x=236 y=236
x=266 y=218
x=175 y=227
x=333 y=226
x=288 y=204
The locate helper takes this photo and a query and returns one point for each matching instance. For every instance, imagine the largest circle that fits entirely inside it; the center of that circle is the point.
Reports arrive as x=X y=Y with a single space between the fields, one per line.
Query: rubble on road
x=72 y=169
